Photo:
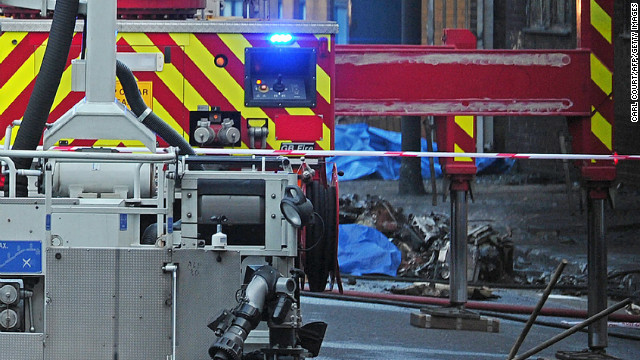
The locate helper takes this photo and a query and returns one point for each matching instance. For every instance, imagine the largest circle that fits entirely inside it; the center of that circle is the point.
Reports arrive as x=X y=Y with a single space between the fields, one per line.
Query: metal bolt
x=273 y=216
x=189 y=195
x=189 y=215
x=273 y=196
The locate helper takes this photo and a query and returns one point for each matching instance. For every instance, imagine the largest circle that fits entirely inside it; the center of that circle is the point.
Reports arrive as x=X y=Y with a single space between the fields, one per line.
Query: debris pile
x=424 y=240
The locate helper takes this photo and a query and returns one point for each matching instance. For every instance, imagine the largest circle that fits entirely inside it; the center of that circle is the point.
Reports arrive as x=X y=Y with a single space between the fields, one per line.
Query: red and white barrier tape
x=330 y=153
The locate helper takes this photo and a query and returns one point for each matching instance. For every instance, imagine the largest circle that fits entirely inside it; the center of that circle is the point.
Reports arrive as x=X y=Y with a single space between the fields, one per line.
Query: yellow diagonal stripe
x=601 y=128
x=64 y=89
x=300 y=111
x=115 y=143
x=236 y=43
x=465 y=123
x=323 y=84
x=325 y=143
x=458 y=149
x=6 y=45
x=17 y=83
x=601 y=21
x=601 y=75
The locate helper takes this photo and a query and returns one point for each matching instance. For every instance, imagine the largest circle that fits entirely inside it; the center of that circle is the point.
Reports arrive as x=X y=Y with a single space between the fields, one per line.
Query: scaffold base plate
x=584 y=355
x=481 y=323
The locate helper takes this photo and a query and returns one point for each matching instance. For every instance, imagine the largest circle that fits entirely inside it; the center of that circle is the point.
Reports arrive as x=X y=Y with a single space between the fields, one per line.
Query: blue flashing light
x=281 y=38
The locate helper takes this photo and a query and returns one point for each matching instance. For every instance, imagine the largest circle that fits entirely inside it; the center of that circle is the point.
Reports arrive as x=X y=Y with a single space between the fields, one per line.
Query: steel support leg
x=597 y=272
x=458 y=280
x=597 y=279
x=456 y=316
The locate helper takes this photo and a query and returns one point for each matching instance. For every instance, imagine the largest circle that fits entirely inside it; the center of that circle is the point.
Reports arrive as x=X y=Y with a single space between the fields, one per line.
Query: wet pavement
x=376 y=332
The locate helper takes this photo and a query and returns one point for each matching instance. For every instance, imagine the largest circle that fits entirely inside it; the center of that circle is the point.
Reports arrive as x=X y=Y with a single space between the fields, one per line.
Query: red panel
x=298 y=127
x=420 y=80
x=460 y=38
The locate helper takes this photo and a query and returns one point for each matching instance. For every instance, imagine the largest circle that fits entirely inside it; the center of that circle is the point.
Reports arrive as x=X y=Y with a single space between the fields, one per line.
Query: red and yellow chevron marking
x=601 y=13
x=594 y=134
x=191 y=79
x=457 y=134
x=596 y=24
x=465 y=139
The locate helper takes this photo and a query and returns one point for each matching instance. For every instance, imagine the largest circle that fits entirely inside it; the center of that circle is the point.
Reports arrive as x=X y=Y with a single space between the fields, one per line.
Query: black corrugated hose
x=46 y=86
x=152 y=121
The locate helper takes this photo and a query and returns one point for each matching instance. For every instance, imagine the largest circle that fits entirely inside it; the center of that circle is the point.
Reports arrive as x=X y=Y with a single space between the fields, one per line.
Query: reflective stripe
x=466 y=124
x=601 y=21
x=64 y=89
x=323 y=84
x=458 y=149
x=325 y=142
x=236 y=44
x=602 y=129
x=117 y=143
x=601 y=75
x=17 y=83
x=6 y=43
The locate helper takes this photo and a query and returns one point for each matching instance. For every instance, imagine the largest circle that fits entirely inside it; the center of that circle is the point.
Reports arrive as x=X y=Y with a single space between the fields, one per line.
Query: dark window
x=549 y=16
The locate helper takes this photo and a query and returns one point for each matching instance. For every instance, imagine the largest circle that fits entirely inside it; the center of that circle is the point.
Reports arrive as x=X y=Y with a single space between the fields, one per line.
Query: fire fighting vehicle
x=118 y=241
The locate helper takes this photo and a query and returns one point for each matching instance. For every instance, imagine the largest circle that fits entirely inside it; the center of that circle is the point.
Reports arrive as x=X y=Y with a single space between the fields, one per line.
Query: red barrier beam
x=423 y=80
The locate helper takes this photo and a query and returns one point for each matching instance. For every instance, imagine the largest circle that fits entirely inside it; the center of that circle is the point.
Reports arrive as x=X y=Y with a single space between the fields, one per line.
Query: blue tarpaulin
x=365 y=250
x=363 y=137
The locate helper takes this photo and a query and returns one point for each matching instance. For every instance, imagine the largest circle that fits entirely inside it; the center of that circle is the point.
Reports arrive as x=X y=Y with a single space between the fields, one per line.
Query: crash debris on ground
x=424 y=240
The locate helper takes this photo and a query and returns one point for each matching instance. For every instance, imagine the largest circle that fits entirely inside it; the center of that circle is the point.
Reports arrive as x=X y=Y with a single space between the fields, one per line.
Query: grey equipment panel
x=107 y=304
x=18 y=346
x=205 y=288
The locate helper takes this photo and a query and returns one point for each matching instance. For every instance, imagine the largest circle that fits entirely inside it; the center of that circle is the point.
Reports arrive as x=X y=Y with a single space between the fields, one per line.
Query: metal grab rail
x=171 y=155
x=78 y=156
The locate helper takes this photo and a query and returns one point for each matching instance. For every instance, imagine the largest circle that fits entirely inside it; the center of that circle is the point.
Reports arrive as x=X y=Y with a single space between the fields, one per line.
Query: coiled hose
x=46 y=86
